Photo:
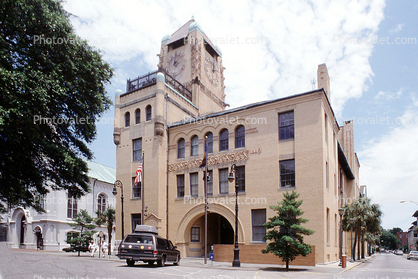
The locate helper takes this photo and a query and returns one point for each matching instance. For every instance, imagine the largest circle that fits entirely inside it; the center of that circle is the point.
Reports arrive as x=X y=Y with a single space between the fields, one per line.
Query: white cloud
x=388 y=95
x=397 y=29
x=278 y=49
x=388 y=168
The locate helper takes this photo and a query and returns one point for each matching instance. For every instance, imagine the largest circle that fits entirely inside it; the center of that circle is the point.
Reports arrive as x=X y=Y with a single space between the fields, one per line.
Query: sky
x=369 y=47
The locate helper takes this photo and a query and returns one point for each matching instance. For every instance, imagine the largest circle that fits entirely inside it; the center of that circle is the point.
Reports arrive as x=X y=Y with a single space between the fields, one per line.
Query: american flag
x=138 y=174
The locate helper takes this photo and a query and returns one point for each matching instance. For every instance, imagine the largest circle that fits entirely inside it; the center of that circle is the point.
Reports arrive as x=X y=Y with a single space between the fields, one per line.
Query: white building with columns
x=25 y=228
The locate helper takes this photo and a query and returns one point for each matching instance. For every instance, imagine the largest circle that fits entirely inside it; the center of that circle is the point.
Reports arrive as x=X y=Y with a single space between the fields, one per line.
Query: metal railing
x=151 y=78
x=141 y=82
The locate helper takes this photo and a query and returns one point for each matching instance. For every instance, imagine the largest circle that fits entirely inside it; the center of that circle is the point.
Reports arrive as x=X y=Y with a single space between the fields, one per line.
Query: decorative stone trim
x=214 y=160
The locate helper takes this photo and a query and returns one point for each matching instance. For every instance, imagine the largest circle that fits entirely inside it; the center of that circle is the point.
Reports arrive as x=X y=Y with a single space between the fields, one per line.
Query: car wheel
x=161 y=262
x=177 y=262
x=130 y=262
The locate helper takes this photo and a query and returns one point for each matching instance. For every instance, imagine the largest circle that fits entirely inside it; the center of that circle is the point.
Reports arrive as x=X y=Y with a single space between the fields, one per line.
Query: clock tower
x=189 y=56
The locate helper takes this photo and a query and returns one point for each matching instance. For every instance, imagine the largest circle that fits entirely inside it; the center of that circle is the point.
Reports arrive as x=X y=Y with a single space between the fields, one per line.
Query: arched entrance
x=191 y=231
x=22 y=229
x=39 y=239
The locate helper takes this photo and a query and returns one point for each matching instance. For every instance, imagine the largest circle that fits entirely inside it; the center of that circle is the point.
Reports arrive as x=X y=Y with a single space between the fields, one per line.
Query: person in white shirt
x=104 y=248
x=92 y=248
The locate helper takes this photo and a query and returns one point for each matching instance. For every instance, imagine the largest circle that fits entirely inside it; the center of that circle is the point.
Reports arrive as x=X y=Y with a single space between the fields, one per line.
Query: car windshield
x=144 y=239
x=414 y=252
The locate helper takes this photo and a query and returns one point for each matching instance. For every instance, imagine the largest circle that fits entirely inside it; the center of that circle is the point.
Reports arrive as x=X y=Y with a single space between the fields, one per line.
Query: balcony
x=151 y=78
x=141 y=82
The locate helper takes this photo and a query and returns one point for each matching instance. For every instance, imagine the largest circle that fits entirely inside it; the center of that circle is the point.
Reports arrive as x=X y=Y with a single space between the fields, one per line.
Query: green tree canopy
x=285 y=230
x=396 y=230
x=389 y=240
x=83 y=223
x=366 y=219
x=52 y=92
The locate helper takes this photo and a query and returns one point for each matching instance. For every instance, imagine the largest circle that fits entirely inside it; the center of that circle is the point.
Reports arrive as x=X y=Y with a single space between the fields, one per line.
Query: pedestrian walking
x=104 y=248
x=92 y=248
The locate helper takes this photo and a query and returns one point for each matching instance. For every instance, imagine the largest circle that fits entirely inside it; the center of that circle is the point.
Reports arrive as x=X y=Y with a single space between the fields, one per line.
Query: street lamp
x=409 y=201
x=118 y=183
x=232 y=177
x=352 y=252
x=341 y=212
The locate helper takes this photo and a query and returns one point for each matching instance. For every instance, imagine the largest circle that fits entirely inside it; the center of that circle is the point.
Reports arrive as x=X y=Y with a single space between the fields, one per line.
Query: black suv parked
x=145 y=245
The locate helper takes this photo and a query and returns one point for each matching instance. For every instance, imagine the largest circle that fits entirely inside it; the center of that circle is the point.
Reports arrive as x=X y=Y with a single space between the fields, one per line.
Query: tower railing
x=151 y=78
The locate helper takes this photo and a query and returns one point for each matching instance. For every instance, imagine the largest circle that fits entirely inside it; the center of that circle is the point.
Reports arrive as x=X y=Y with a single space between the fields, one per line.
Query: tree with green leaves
x=366 y=222
x=396 y=230
x=285 y=230
x=389 y=240
x=107 y=218
x=84 y=225
x=52 y=86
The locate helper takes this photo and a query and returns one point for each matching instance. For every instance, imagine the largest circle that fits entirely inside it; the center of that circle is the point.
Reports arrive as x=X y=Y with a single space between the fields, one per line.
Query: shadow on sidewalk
x=283 y=269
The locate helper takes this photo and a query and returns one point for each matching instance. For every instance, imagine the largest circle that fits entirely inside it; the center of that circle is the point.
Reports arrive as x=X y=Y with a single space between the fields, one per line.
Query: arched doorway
x=39 y=239
x=219 y=232
x=22 y=229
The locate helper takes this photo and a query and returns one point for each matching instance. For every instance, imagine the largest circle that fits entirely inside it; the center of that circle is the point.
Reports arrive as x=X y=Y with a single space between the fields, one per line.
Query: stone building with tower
x=291 y=143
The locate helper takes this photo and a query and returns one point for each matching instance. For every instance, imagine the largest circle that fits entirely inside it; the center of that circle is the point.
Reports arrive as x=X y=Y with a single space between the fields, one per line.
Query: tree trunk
x=362 y=245
x=359 y=245
x=287 y=265
x=353 y=249
x=109 y=245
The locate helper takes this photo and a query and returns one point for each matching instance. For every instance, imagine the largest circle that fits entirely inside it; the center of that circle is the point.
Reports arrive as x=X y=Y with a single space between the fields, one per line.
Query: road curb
x=351 y=267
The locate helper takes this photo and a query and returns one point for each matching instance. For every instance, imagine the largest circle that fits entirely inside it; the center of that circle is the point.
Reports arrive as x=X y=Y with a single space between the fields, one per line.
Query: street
x=23 y=264
x=384 y=266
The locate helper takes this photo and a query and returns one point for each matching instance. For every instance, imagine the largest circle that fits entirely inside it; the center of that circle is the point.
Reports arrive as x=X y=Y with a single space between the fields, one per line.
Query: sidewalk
x=332 y=268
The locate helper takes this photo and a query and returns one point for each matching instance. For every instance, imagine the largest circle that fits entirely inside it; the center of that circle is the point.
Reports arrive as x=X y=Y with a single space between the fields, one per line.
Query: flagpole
x=142 y=191
x=205 y=174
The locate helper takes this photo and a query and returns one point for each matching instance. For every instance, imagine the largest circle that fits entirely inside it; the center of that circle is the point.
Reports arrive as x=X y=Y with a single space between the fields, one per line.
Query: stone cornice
x=214 y=160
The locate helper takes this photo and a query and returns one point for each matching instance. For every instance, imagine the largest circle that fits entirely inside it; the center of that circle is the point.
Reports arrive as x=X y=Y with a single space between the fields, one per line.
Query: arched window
x=101 y=202
x=127 y=119
x=194 y=147
x=240 y=136
x=71 y=206
x=148 y=113
x=180 y=148
x=223 y=140
x=137 y=116
x=209 y=141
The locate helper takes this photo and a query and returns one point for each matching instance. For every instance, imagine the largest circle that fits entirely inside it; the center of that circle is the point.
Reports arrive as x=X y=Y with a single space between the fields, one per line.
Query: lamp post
x=351 y=225
x=232 y=177
x=341 y=212
x=118 y=183
x=409 y=201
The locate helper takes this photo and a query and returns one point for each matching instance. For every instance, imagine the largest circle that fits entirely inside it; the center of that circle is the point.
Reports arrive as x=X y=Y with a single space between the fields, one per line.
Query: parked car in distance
x=412 y=255
x=398 y=252
x=146 y=245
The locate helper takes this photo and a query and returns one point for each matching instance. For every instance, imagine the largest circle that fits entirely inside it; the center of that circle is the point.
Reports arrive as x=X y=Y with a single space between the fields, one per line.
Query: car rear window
x=145 y=239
